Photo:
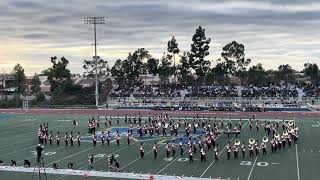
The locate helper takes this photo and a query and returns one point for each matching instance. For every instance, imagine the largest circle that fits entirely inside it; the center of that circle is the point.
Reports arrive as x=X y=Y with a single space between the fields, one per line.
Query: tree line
x=192 y=67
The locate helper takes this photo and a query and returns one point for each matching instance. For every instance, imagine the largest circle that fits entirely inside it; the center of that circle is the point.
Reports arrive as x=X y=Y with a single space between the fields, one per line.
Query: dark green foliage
x=35 y=82
x=19 y=79
x=199 y=50
x=89 y=67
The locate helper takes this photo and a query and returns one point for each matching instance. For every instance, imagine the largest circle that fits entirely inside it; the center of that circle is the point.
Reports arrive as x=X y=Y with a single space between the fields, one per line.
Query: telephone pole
x=95 y=20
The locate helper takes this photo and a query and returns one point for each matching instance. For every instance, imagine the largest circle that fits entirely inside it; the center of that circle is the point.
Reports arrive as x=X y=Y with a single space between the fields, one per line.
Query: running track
x=115 y=112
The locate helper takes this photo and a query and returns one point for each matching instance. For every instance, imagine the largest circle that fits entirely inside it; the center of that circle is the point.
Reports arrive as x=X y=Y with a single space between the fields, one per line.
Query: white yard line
x=220 y=153
x=19 y=150
x=90 y=174
x=98 y=160
x=70 y=156
x=254 y=163
x=297 y=157
x=137 y=159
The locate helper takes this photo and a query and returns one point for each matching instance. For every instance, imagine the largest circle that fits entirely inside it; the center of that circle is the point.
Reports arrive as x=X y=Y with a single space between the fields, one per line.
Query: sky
x=273 y=32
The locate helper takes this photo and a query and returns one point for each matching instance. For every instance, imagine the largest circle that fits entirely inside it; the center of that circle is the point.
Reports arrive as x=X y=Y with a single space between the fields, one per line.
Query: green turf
x=18 y=138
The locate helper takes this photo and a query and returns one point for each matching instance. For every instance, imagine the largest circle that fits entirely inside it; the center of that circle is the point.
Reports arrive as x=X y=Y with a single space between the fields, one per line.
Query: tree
x=152 y=66
x=199 y=50
x=257 y=75
x=312 y=71
x=285 y=73
x=165 y=70
x=35 y=82
x=184 y=69
x=58 y=73
x=89 y=67
x=218 y=74
x=19 y=79
x=173 y=49
x=117 y=72
x=234 y=57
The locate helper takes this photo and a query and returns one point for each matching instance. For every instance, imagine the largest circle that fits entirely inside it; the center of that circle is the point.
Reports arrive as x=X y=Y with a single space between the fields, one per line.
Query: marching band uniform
x=216 y=152
x=173 y=148
x=58 y=138
x=155 y=150
x=235 y=151
x=190 y=155
x=228 y=151
x=181 y=147
x=108 y=138
x=141 y=151
x=264 y=148
x=50 y=138
x=94 y=139
x=71 y=139
x=251 y=150
x=243 y=146
x=128 y=137
x=203 y=155
x=257 y=148
x=66 y=139
x=118 y=138
x=102 y=138
x=78 y=138
x=168 y=149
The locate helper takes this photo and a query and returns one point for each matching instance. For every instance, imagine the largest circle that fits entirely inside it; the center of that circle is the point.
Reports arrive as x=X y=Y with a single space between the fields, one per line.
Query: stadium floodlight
x=95 y=20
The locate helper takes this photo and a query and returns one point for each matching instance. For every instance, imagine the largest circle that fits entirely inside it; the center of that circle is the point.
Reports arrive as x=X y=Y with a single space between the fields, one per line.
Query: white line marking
x=18 y=150
x=254 y=163
x=136 y=159
x=220 y=153
x=70 y=156
x=297 y=157
x=167 y=166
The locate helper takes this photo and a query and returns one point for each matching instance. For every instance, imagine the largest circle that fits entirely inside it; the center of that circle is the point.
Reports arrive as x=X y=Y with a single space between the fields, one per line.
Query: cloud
x=273 y=32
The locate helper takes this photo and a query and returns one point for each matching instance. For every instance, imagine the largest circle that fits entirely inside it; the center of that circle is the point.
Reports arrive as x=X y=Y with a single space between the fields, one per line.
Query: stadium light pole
x=95 y=20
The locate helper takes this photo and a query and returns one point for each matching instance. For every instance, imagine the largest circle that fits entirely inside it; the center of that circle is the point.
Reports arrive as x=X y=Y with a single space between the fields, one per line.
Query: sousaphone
x=237 y=142
x=252 y=141
x=277 y=135
x=291 y=131
x=285 y=133
x=265 y=139
x=290 y=124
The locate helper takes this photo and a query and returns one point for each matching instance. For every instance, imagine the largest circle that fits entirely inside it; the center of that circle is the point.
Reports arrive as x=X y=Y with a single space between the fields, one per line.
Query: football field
x=18 y=139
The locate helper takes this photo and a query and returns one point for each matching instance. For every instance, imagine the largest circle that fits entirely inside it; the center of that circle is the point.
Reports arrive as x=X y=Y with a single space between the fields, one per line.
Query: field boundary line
x=117 y=175
x=297 y=157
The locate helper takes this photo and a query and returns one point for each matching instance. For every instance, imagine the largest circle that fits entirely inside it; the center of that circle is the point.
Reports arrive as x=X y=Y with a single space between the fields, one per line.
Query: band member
x=102 y=138
x=250 y=124
x=194 y=144
x=257 y=125
x=90 y=160
x=181 y=147
x=251 y=150
x=118 y=138
x=243 y=147
x=228 y=150
x=58 y=138
x=190 y=155
x=141 y=151
x=203 y=155
x=216 y=152
x=108 y=138
x=257 y=148
x=66 y=139
x=110 y=121
x=94 y=139
x=235 y=151
x=71 y=138
x=173 y=148
x=78 y=138
x=155 y=150
x=264 y=148
x=128 y=137
x=168 y=149
x=50 y=138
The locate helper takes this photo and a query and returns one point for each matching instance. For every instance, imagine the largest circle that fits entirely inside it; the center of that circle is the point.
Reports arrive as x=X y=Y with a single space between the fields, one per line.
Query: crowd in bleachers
x=215 y=91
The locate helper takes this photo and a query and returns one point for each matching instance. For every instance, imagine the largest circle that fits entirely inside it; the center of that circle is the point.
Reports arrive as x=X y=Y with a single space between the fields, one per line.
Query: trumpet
x=237 y=142
x=252 y=141
x=265 y=139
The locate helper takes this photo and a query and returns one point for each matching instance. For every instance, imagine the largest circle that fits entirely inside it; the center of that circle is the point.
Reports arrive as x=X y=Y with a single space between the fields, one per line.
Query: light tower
x=95 y=20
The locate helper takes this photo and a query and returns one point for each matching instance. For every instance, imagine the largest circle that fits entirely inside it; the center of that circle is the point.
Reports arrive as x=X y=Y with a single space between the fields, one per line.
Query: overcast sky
x=273 y=32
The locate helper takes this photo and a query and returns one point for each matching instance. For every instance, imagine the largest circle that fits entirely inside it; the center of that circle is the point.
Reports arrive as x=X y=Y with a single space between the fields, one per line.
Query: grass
x=19 y=137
